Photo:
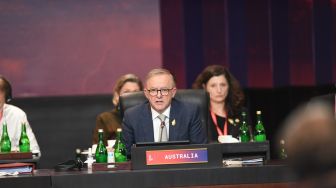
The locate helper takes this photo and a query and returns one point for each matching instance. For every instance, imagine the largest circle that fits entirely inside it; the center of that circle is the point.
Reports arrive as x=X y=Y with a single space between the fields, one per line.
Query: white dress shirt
x=14 y=117
x=157 y=123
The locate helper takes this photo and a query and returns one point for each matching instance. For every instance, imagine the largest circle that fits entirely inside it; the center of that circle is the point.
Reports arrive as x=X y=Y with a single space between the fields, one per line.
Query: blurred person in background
x=226 y=101
x=13 y=116
x=110 y=121
x=310 y=143
x=329 y=99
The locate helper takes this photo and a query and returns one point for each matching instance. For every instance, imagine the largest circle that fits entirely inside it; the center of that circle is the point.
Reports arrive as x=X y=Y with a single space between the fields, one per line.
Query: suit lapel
x=147 y=124
x=173 y=122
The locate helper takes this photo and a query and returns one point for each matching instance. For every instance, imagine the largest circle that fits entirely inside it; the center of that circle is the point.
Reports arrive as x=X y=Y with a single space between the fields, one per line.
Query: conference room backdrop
x=76 y=47
x=81 y=47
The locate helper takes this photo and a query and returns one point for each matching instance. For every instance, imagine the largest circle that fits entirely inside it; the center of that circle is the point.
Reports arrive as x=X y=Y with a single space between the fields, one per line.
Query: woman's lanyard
x=1 y=114
x=214 y=119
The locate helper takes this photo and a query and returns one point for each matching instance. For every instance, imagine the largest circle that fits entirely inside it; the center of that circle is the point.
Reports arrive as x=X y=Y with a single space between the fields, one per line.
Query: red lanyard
x=1 y=114
x=214 y=119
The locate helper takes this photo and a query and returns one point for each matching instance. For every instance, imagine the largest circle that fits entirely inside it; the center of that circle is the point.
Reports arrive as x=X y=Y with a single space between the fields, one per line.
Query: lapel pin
x=230 y=121
x=173 y=122
x=236 y=122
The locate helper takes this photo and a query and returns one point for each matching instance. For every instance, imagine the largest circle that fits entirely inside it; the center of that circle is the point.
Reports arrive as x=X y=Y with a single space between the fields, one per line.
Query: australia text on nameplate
x=176 y=156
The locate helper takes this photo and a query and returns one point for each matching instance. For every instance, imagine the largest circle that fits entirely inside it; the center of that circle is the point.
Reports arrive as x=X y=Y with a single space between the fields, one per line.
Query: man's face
x=159 y=91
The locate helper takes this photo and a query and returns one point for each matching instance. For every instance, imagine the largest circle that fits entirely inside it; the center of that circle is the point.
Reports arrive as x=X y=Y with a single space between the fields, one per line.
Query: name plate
x=176 y=156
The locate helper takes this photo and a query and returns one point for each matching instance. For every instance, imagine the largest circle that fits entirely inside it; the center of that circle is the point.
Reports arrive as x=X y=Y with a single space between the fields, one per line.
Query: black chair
x=195 y=96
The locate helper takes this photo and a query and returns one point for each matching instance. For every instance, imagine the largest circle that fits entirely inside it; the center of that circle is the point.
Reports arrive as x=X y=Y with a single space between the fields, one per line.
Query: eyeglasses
x=154 y=92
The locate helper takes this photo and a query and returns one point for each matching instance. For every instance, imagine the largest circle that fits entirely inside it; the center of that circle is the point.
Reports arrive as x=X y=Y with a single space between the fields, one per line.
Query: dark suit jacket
x=138 y=125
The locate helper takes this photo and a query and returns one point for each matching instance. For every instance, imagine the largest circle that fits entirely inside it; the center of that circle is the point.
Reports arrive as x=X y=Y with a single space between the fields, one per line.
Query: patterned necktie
x=163 y=129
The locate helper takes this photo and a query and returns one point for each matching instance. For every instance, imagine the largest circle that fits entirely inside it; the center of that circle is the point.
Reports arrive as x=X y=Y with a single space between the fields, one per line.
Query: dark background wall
x=79 y=47
x=265 y=43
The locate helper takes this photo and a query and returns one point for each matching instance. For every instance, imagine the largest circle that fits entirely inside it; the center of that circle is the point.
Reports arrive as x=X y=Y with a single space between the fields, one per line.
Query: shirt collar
x=155 y=113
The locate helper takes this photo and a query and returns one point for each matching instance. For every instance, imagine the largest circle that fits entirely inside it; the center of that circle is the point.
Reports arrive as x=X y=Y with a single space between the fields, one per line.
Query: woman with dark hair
x=110 y=121
x=226 y=101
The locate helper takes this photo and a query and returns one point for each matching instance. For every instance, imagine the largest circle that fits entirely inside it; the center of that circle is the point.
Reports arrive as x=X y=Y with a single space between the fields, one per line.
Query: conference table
x=271 y=174
x=275 y=174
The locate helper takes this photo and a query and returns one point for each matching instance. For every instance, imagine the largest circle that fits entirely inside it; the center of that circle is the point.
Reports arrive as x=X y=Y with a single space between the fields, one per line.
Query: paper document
x=243 y=161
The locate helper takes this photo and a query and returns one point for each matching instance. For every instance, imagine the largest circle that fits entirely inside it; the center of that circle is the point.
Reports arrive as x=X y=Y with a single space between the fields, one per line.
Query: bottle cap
x=258 y=112
x=100 y=130
x=119 y=130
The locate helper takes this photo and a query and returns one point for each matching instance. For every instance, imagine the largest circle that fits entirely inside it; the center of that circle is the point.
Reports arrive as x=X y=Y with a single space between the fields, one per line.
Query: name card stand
x=248 y=149
x=176 y=156
x=111 y=166
x=200 y=155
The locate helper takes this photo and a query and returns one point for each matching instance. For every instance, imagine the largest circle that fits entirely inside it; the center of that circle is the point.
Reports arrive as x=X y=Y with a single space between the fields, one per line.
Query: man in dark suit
x=162 y=118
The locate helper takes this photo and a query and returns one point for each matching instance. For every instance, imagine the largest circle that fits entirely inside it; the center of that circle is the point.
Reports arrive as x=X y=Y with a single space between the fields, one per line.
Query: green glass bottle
x=283 y=153
x=5 y=144
x=260 y=134
x=119 y=148
x=24 y=143
x=101 y=152
x=244 y=135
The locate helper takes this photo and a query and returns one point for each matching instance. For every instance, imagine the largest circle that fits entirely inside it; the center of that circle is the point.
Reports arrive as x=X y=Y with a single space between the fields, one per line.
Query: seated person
x=14 y=117
x=144 y=122
x=226 y=101
x=110 y=121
